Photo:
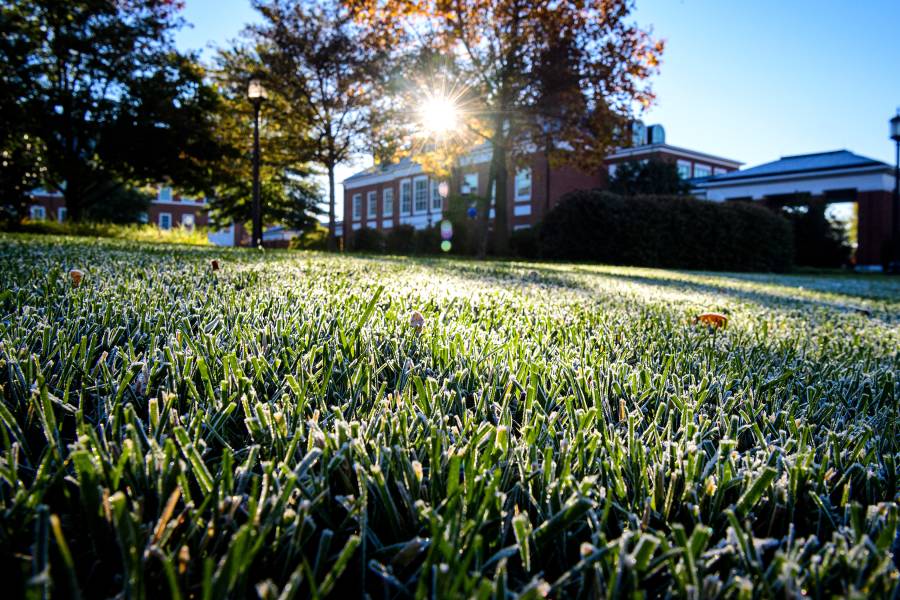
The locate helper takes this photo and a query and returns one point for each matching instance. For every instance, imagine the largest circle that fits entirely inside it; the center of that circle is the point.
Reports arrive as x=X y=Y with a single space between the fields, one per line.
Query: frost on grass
x=285 y=428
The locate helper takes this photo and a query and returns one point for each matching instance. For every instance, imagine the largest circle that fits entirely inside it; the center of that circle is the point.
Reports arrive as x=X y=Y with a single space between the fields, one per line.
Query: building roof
x=802 y=163
x=404 y=166
x=636 y=152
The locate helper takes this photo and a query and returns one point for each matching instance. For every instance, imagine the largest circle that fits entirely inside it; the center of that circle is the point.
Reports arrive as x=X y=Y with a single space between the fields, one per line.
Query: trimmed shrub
x=523 y=243
x=367 y=240
x=401 y=239
x=666 y=231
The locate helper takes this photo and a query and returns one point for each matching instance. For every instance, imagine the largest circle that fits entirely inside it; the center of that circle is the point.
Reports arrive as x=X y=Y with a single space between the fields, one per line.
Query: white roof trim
x=366 y=180
x=799 y=176
x=674 y=150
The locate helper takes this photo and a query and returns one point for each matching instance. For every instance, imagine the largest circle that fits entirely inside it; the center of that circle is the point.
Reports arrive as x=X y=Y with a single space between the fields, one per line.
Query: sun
x=439 y=115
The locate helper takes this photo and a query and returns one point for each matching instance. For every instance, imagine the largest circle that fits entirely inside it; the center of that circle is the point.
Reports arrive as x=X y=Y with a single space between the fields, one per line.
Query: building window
x=61 y=213
x=372 y=204
x=405 y=197
x=387 y=201
x=165 y=220
x=523 y=185
x=357 y=207
x=684 y=169
x=469 y=184
x=165 y=194
x=421 y=195
x=719 y=171
x=437 y=203
x=702 y=170
x=187 y=221
x=612 y=170
x=37 y=213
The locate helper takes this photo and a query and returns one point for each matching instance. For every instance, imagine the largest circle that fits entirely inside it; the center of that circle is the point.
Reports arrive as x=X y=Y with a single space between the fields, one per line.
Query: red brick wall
x=178 y=210
x=563 y=180
x=51 y=205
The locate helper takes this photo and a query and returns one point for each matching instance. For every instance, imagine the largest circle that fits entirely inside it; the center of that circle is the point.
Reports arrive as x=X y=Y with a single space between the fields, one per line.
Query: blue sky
x=751 y=80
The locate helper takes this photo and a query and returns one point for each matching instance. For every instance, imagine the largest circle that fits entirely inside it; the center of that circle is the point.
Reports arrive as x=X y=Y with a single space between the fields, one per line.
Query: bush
x=134 y=232
x=314 y=239
x=665 y=231
x=401 y=239
x=367 y=240
x=523 y=243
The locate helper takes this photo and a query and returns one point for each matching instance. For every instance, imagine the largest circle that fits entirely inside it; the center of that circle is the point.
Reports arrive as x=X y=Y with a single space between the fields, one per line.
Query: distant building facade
x=167 y=209
x=828 y=177
x=386 y=196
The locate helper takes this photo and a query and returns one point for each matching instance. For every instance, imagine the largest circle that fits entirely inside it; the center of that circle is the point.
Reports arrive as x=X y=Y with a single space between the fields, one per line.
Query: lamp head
x=256 y=91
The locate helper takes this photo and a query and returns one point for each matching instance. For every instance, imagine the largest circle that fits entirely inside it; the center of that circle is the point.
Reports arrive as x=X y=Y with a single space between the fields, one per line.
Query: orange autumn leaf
x=76 y=275
x=712 y=319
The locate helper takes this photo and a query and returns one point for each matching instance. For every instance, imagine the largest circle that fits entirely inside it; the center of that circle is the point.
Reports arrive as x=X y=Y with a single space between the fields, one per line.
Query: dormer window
x=165 y=194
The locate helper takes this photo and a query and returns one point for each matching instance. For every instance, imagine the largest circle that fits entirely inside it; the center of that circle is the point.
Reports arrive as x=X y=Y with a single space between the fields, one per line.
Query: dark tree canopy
x=648 y=178
x=102 y=88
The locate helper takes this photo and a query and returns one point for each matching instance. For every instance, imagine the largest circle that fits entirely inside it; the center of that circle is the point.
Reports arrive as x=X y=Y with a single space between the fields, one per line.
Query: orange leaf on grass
x=712 y=319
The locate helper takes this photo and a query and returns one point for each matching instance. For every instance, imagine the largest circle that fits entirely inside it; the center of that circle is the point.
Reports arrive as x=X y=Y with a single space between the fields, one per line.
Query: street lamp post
x=895 y=135
x=256 y=92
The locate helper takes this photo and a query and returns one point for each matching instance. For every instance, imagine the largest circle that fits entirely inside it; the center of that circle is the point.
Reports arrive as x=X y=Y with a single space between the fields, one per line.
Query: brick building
x=167 y=209
x=171 y=209
x=385 y=196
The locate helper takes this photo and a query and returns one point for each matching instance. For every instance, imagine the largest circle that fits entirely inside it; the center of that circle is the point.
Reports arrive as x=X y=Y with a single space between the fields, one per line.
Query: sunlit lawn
x=279 y=426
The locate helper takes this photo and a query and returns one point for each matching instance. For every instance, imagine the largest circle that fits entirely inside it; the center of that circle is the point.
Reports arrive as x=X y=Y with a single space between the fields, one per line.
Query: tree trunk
x=501 y=218
x=484 y=215
x=332 y=241
x=548 y=148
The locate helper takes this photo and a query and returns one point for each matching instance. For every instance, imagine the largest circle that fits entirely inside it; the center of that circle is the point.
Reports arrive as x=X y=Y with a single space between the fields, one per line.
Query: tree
x=653 y=177
x=503 y=47
x=288 y=193
x=103 y=90
x=322 y=63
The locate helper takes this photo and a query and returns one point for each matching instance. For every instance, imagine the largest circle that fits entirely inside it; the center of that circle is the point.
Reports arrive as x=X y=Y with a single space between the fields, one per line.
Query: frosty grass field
x=279 y=428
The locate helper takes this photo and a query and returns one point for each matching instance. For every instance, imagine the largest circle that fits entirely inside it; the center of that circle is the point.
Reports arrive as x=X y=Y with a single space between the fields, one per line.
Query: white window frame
x=685 y=166
x=61 y=213
x=387 y=202
x=521 y=175
x=406 y=196
x=165 y=216
x=469 y=183
x=356 y=206
x=437 y=203
x=417 y=210
x=188 y=221
x=707 y=168
x=37 y=212
x=372 y=204
x=164 y=194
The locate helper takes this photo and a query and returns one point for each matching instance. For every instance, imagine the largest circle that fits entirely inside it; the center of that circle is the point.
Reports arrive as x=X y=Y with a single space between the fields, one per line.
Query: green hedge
x=666 y=231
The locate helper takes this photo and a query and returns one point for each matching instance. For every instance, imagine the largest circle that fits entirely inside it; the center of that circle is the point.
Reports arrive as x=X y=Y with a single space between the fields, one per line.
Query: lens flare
x=439 y=115
x=446 y=230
